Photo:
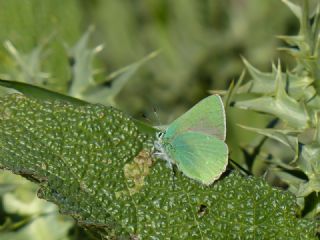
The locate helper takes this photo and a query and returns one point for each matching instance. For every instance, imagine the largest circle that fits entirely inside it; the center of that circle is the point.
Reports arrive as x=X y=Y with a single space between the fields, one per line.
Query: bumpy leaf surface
x=95 y=164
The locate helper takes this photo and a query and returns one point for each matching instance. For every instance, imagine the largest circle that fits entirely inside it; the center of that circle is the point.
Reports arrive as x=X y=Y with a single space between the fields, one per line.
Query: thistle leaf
x=308 y=162
x=95 y=164
x=261 y=82
x=296 y=9
x=281 y=105
x=83 y=84
x=30 y=64
x=293 y=115
x=286 y=137
x=264 y=83
x=82 y=69
x=293 y=98
x=103 y=94
x=230 y=93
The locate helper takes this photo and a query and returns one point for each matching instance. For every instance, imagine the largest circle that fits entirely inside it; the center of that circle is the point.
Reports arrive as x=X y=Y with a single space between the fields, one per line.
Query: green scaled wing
x=206 y=117
x=195 y=141
x=199 y=156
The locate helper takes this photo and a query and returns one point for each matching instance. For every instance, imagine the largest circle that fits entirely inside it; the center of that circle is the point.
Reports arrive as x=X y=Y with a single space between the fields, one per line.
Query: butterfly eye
x=160 y=134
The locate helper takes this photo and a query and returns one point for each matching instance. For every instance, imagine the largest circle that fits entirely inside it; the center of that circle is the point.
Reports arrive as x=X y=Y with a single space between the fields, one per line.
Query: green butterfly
x=195 y=141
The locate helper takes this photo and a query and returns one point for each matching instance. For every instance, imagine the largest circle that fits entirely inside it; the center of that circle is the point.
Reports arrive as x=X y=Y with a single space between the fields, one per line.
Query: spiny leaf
x=99 y=93
x=294 y=8
x=261 y=83
x=83 y=84
x=233 y=89
x=95 y=164
x=294 y=116
x=264 y=83
x=19 y=199
x=293 y=98
x=29 y=64
x=309 y=160
x=280 y=105
x=286 y=137
x=308 y=163
x=81 y=57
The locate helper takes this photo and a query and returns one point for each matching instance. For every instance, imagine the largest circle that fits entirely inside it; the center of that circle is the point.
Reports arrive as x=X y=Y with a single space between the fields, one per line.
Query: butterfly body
x=195 y=141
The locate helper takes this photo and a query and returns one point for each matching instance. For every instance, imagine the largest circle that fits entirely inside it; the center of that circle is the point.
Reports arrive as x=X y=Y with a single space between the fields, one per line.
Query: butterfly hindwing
x=199 y=156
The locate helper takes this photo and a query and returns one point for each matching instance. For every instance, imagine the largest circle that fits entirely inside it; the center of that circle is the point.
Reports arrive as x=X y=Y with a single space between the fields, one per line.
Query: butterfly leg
x=174 y=171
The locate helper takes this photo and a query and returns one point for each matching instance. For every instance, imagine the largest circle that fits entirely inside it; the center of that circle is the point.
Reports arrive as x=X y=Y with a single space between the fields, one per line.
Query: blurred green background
x=78 y=46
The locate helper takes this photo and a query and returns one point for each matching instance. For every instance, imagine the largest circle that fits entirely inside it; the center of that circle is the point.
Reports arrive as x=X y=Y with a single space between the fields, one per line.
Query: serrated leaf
x=98 y=93
x=293 y=115
x=287 y=177
x=296 y=9
x=51 y=227
x=83 y=84
x=261 y=83
x=27 y=214
x=265 y=83
x=281 y=105
x=293 y=98
x=29 y=64
x=286 y=137
x=232 y=90
x=295 y=40
x=309 y=161
x=94 y=163
x=298 y=47
x=82 y=69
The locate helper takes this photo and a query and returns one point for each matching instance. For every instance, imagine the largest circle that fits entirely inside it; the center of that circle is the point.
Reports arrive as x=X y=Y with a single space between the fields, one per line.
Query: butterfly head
x=160 y=145
x=160 y=134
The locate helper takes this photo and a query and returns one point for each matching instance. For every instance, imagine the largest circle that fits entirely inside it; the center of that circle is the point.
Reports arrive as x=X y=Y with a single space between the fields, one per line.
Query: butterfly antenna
x=145 y=117
x=265 y=175
x=156 y=116
x=174 y=175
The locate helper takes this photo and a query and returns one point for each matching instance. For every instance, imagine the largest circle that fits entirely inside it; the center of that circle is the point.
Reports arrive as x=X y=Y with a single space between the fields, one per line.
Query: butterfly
x=195 y=141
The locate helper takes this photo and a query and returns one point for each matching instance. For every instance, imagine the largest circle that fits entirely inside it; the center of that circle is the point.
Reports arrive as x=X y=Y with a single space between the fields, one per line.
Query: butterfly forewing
x=206 y=117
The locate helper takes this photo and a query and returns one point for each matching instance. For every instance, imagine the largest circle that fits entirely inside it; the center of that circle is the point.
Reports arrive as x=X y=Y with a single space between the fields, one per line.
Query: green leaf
x=264 y=83
x=82 y=69
x=232 y=90
x=294 y=8
x=37 y=36
x=261 y=82
x=47 y=95
x=281 y=105
x=95 y=164
x=27 y=214
x=97 y=93
x=29 y=65
x=40 y=93
x=50 y=227
x=286 y=137
x=83 y=84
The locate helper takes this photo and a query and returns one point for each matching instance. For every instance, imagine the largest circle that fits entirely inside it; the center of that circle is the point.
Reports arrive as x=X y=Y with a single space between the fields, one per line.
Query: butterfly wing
x=199 y=156
x=206 y=117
